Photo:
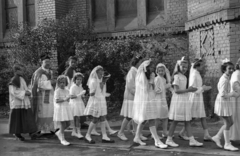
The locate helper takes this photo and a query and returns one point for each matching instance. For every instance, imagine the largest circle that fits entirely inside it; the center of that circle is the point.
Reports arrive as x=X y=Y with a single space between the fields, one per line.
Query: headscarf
x=166 y=72
x=141 y=93
x=93 y=75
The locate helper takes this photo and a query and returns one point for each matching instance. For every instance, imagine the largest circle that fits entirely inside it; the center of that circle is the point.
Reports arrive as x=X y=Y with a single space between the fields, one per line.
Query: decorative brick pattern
x=46 y=9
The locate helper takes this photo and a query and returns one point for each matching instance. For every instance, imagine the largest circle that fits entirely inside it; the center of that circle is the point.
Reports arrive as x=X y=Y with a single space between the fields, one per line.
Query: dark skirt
x=22 y=121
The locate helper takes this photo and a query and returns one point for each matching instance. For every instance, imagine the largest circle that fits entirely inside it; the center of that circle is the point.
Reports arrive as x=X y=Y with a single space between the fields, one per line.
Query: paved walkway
x=10 y=147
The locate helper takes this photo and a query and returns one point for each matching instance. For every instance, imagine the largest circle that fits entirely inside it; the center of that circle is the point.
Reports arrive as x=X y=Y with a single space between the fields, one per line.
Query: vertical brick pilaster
x=21 y=11
x=142 y=13
x=2 y=19
x=111 y=14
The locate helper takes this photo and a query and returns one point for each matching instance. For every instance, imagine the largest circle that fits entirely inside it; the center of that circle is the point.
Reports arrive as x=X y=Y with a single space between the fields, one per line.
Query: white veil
x=93 y=75
x=166 y=71
x=141 y=93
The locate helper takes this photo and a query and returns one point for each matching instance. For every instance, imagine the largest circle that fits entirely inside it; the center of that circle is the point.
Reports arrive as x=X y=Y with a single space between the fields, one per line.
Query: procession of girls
x=144 y=101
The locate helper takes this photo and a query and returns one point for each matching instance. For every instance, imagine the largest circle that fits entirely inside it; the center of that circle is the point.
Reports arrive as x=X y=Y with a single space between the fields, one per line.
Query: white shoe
x=58 y=134
x=65 y=143
x=95 y=133
x=194 y=142
x=217 y=141
x=112 y=132
x=171 y=143
x=80 y=136
x=122 y=137
x=230 y=147
x=143 y=138
x=160 y=145
x=74 y=134
x=184 y=137
x=139 y=142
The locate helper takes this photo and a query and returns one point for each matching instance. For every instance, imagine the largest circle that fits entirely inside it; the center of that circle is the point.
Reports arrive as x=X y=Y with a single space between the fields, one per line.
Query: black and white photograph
x=119 y=77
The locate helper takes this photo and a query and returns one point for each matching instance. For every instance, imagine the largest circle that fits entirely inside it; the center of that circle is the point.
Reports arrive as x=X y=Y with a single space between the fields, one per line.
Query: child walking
x=21 y=119
x=180 y=108
x=161 y=85
x=62 y=110
x=224 y=105
x=96 y=106
x=129 y=93
x=196 y=98
x=77 y=104
x=145 y=107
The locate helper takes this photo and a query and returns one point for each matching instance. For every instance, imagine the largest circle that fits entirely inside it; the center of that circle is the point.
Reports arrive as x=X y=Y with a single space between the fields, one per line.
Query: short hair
x=225 y=65
x=72 y=58
x=17 y=66
x=60 y=78
x=76 y=76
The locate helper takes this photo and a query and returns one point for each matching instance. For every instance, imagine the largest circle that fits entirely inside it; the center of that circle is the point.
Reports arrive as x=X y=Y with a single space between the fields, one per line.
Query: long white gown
x=235 y=86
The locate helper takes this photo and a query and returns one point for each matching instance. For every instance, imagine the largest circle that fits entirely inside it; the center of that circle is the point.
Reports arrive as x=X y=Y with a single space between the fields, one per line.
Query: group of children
x=144 y=100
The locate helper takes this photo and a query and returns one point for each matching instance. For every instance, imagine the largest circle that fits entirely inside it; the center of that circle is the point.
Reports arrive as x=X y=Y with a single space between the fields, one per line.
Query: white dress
x=62 y=111
x=77 y=104
x=223 y=103
x=235 y=86
x=127 y=105
x=160 y=89
x=144 y=105
x=196 y=98
x=96 y=105
x=180 y=107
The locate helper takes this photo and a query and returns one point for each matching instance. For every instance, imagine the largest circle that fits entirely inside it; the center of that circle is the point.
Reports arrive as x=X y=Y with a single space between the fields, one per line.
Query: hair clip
x=226 y=60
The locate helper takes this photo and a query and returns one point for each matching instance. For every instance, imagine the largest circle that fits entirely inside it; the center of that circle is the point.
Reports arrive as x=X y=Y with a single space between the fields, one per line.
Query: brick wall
x=82 y=7
x=61 y=8
x=176 y=12
x=46 y=9
x=198 y=8
x=234 y=36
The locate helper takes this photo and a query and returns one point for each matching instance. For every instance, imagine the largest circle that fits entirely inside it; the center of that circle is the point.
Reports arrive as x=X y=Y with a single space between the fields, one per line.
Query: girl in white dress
x=76 y=103
x=161 y=85
x=62 y=110
x=235 y=86
x=144 y=106
x=180 y=108
x=196 y=98
x=96 y=106
x=129 y=93
x=224 y=105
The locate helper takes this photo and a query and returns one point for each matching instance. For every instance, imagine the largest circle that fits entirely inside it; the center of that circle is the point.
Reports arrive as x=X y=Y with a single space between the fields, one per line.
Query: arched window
x=126 y=8
x=30 y=12
x=155 y=6
x=11 y=14
x=99 y=8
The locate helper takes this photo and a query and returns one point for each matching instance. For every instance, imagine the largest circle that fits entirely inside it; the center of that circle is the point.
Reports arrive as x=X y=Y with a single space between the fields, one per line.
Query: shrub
x=115 y=57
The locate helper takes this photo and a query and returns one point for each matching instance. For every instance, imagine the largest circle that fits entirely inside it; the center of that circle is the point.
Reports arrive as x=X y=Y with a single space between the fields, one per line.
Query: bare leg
x=169 y=140
x=205 y=128
x=137 y=135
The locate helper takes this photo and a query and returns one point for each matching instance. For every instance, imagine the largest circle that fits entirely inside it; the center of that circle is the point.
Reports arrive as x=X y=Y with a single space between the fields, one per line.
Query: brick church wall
x=214 y=31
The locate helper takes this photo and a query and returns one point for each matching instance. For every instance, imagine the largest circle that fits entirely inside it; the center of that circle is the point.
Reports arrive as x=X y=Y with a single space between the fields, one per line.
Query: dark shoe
x=108 y=141
x=90 y=142
x=84 y=126
x=19 y=137
x=33 y=136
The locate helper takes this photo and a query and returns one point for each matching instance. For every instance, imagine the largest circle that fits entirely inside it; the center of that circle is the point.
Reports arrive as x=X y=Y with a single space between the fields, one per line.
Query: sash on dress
x=46 y=97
